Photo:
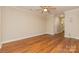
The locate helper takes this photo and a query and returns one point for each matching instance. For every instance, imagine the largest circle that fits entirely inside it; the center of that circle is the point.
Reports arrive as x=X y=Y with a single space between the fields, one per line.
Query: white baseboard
x=74 y=37
x=16 y=39
x=49 y=33
x=0 y=45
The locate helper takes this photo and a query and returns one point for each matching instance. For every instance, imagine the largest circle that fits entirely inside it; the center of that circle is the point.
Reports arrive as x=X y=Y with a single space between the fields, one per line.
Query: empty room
x=39 y=29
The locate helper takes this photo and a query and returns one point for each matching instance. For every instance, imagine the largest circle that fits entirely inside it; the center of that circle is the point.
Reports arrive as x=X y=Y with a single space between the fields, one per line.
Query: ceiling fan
x=47 y=9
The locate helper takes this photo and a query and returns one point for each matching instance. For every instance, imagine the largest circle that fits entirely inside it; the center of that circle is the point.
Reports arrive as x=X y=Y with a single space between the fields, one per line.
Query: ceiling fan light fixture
x=45 y=10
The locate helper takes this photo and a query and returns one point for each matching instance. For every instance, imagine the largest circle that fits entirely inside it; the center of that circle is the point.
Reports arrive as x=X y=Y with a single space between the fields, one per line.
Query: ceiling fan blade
x=43 y=7
x=52 y=8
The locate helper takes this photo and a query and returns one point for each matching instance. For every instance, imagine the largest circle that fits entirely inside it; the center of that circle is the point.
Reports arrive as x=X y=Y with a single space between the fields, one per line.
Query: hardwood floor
x=42 y=44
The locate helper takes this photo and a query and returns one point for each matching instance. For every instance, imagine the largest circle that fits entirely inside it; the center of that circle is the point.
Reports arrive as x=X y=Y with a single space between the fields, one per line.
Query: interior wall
x=53 y=25
x=50 y=29
x=0 y=27
x=19 y=24
x=58 y=28
x=72 y=23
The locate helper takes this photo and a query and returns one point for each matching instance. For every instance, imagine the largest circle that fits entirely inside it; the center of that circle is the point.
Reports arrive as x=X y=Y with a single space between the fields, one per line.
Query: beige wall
x=53 y=25
x=72 y=23
x=0 y=26
x=58 y=28
x=19 y=24
x=50 y=29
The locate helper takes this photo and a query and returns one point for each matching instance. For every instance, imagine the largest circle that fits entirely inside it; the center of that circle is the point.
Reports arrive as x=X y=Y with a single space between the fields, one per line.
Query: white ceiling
x=63 y=8
x=66 y=8
x=59 y=9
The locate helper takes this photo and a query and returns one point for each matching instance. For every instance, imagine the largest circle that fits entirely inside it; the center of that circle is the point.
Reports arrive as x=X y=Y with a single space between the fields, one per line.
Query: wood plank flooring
x=43 y=44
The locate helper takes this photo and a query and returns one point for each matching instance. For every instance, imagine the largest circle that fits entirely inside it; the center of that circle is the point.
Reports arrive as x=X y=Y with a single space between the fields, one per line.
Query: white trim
x=21 y=38
x=74 y=37
x=0 y=45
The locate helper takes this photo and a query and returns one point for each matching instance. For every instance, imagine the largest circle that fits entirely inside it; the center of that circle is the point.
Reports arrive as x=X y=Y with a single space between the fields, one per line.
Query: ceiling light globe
x=45 y=10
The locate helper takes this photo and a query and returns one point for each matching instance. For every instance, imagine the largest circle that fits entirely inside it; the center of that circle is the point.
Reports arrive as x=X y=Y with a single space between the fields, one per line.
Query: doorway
x=61 y=18
x=59 y=25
